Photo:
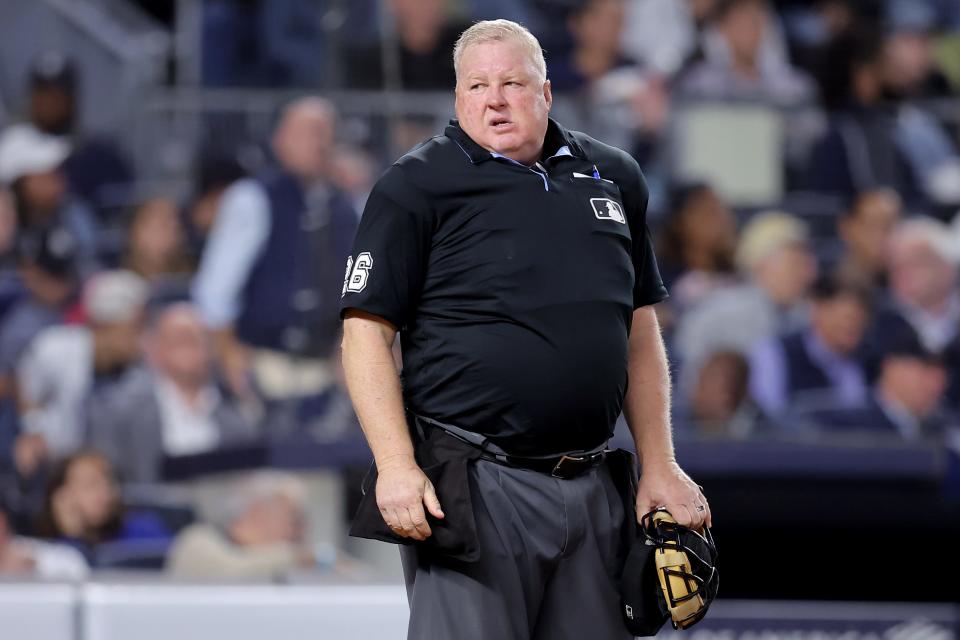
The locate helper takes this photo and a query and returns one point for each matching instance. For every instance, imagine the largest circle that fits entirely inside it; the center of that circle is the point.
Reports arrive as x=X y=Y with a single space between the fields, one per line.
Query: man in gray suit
x=169 y=407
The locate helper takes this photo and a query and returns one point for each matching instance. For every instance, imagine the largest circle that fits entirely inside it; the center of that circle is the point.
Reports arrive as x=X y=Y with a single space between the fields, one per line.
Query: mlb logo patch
x=607 y=209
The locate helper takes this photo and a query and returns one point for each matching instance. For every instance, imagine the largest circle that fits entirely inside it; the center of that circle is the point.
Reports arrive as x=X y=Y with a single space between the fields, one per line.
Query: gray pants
x=552 y=554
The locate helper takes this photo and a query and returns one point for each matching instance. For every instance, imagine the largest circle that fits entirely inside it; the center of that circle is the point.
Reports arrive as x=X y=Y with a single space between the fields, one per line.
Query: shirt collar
x=207 y=403
x=557 y=142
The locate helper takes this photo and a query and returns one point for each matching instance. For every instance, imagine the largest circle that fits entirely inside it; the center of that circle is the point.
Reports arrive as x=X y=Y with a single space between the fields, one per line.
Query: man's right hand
x=402 y=492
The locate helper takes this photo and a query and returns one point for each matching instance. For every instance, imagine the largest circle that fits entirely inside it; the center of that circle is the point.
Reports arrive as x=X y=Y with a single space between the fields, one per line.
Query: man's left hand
x=667 y=485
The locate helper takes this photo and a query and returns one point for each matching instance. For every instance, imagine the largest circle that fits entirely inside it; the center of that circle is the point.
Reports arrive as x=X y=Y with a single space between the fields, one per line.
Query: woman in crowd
x=82 y=507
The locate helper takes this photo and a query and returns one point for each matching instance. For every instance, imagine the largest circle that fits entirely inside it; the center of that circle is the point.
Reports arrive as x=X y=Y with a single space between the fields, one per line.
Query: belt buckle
x=568 y=467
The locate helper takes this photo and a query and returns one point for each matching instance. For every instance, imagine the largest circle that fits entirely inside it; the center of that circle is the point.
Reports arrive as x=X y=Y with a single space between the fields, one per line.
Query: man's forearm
x=374 y=386
x=647 y=405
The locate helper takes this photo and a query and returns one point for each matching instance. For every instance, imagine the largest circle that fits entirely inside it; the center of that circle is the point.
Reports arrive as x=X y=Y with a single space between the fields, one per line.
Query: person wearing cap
x=47 y=271
x=31 y=165
x=62 y=365
x=774 y=258
x=94 y=169
x=46 y=284
x=511 y=255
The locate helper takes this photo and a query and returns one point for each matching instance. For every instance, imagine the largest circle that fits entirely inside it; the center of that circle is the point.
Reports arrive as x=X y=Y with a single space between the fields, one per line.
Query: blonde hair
x=767 y=233
x=500 y=31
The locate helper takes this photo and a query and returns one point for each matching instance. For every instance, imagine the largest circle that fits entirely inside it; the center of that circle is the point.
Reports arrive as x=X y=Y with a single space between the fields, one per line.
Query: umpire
x=512 y=255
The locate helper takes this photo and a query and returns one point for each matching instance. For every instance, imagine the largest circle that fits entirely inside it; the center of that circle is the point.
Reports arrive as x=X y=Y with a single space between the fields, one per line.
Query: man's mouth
x=501 y=124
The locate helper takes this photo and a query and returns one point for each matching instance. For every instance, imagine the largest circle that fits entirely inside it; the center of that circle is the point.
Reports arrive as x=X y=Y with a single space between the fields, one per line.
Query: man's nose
x=495 y=96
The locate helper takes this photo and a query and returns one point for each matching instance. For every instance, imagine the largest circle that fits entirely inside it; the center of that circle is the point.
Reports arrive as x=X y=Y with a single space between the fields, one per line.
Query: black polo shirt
x=512 y=287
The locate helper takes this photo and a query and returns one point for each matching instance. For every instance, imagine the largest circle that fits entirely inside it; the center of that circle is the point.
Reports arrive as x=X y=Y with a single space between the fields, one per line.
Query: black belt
x=564 y=466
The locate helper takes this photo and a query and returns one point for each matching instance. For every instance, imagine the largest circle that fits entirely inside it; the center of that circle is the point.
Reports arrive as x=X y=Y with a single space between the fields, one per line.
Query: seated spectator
x=94 y=168
x=625 y=105
x=924 y=297
x=259 y=534
x=877 y=138
x=865 y=227
x=265 y=281
x=170 y=407
x=424 y=50
x=738 y=65
x=82 y=507
x=745 y=62
x=719 y=404
x=696 y=244
x=813 y=29
x=48 y=275
x=906 y=401
x=22 y=556
x=817 y=362
x=47 y=270
x=157 y=249
x=30 y=163
x=911 y=68
x=595 y=26
x=774 y=257
x=61 y=367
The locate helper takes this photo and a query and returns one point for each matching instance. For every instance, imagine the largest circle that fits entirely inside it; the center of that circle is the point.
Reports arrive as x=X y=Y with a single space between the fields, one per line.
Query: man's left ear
x=547 y=93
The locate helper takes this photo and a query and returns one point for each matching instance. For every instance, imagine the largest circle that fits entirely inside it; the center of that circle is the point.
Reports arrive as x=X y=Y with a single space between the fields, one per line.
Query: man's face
x=788 y=273
x=918 y=275
x=840 y=322
x=501 y=102
x=52 y=109
x=867 y=231
x=744 y=28
x=43 y=193
x=600 y=24
x=280 y=520
x=305 y=141
x=180 y=348
x=916 y=384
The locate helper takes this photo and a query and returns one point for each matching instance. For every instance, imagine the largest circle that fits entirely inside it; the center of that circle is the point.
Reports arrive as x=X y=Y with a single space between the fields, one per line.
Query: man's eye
x=476 y=85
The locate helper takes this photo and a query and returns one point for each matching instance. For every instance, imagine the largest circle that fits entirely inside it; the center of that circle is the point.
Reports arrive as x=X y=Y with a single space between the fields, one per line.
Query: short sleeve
x=648 y=287
x=385 y=271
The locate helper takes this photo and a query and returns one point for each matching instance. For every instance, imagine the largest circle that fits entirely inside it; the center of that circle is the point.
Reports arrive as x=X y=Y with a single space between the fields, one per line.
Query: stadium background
x=840 y=115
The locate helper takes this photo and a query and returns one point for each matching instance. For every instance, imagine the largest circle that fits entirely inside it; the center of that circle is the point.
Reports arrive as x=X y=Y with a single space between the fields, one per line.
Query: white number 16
x=357 y=273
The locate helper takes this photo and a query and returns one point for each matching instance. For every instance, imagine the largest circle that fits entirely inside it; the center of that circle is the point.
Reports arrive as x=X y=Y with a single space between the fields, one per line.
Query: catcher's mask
x=670 y=573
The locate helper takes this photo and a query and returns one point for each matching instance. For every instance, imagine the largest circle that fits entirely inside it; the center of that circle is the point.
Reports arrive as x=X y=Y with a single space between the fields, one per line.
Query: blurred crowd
x=141 y=327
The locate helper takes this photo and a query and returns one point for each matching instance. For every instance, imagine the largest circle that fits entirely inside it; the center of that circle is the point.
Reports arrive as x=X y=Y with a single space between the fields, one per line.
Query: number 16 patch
x=355 y=277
